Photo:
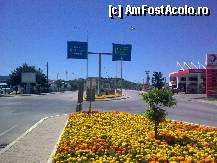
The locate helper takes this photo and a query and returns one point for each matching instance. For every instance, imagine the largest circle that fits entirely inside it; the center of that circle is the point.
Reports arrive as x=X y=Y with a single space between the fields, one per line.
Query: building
x=189 y=80
x=196 y=80
x=3 y=81
x=3 y=84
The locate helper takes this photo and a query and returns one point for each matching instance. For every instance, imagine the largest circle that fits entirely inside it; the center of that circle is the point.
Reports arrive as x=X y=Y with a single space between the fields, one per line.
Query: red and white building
x=197 y=80
x=189 y=80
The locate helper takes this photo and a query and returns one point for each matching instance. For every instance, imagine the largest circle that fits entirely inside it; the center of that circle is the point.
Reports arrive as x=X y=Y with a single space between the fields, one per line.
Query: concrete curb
x=112 y=99
x=56 y=145
x=196 y=124
x=27 y=131
x=23 y=135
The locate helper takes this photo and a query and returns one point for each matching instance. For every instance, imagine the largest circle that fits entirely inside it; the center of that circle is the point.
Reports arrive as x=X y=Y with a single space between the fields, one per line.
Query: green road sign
x=121 y=52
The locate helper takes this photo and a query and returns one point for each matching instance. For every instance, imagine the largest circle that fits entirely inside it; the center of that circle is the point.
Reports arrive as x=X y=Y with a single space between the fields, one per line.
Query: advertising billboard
x=28 y=77
x=77 y=50
x=121 y=52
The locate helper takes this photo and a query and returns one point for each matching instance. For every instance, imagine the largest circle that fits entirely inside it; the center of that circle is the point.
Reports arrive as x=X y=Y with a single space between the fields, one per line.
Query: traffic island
x=109 y=97
x=124 y=137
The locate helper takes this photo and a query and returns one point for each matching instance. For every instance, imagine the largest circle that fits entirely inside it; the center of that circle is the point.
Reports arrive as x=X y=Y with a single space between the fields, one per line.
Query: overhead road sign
x=121 y=52
x=77 y=50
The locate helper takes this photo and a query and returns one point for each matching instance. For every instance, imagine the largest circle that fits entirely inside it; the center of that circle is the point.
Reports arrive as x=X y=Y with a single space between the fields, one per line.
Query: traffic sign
x=77 y=50
x=121 y=52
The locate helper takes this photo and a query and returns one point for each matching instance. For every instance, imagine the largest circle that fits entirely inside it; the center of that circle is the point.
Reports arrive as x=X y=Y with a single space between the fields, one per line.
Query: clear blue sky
x=36 y=31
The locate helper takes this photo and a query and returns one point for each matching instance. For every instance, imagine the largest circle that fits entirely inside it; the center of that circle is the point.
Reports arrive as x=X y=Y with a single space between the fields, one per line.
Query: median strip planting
x=124 y=137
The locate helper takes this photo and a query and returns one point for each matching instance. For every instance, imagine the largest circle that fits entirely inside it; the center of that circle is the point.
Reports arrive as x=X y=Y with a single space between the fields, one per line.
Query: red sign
x=186 y=72
x=197 y=70
x=211 y=81
x=211 y=59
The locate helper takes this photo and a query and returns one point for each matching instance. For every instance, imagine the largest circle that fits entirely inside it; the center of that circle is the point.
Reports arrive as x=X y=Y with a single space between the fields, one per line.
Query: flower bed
x=123 y=137
x=105 y=97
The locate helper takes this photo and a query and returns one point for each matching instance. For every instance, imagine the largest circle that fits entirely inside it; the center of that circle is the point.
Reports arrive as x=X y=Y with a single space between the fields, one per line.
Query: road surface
x=19 y=113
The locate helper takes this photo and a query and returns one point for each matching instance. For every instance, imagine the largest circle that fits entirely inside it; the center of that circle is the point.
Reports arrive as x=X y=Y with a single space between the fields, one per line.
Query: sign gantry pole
x=78 y=50
x=100 y=70
x=121 y=76
x=116 y=69
x=121 y=52
x=87 y=55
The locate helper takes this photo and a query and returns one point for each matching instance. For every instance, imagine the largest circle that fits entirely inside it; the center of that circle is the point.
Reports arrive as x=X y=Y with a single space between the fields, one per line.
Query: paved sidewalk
x=38 y=144
x=196 y=98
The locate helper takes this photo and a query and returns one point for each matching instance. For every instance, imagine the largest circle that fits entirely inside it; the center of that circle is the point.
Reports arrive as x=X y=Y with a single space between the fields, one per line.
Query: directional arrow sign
x=121 y=52
x=77 y=50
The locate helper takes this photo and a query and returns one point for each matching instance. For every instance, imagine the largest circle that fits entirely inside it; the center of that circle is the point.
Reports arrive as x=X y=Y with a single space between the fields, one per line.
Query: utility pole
x=47 y=78
x=47 y=74
x=57 y=75
x=147 y=77
x=66 y=75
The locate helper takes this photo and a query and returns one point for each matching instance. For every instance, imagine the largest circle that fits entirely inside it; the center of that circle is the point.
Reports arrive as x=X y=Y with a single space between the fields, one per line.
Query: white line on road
x=20 y=137
x=8 y=130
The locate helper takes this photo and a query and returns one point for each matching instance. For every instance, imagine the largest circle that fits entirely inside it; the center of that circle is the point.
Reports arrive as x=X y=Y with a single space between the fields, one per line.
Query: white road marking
x=20 y=137
x=8 y=130
x=28 y=131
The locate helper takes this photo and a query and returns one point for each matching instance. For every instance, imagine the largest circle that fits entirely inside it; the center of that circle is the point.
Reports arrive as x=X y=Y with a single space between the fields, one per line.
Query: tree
x=59 y=84
x=157 y=99
x=157 y=80
x=74 y=84
x=15 y=76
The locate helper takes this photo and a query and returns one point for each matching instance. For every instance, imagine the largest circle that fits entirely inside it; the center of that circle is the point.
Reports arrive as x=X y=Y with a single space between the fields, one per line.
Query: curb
x=112 y=99
x=196 y=124
x=22 y=136
x=25 y=133
x=56 y=145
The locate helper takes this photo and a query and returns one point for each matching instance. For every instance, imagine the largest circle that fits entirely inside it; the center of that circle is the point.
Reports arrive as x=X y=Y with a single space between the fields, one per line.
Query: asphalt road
x=19 y=113
x=187 y=109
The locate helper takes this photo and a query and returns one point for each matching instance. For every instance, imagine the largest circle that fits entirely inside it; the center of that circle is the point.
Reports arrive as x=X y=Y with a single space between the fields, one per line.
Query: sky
x=37 y=31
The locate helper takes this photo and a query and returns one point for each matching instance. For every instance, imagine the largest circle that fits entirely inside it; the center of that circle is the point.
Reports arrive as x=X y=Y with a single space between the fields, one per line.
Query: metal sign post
x=91 y=99
x=80 y=97
x=79 y=50
x=121 y=52
x=100 y=70
x=100 y=66
x=121 y=75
